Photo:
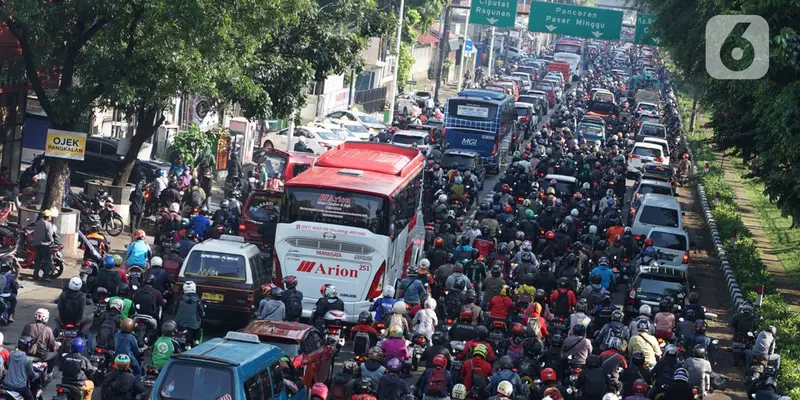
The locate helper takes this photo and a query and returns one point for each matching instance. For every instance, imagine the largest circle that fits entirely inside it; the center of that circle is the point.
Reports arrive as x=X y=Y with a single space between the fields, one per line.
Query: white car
x=359 y=131
x=648 y=109
x=407 y=105
x=316 y=138
x=672 y=246
x=664 y=147
x=372 y=124
x=410 y=138
x=656 y=210
x=643 y=153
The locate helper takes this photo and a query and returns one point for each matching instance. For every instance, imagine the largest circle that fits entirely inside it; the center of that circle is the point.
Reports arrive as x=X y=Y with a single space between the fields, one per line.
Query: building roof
x=427 y=38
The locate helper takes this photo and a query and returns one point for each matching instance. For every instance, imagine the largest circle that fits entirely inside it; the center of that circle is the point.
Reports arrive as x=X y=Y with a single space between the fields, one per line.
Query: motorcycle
x=134 y=273
x=419 y=343
x=65 y=337
x=149 y=378
x=682 y=178
x=144 y=329
x=180 y=338
x=497 y=333
x=101 y=361
x=334 y=323
x=739 y=348
x=458 y=362
x=88 y=272
x=572 y=376
x=557 y=325
x=102 y=206
x=35 y=386
x=68 y=392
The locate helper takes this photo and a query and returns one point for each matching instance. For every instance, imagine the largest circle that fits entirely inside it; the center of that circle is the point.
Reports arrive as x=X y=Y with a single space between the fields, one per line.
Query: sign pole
x=396 y=60
x=463 y=52
x=491 y=53
x=290 y=134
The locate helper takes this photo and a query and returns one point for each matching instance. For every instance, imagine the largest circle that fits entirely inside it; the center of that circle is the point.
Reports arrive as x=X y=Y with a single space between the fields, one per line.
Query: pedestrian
x=206 y=180
x=44 y=236
x=138 y=204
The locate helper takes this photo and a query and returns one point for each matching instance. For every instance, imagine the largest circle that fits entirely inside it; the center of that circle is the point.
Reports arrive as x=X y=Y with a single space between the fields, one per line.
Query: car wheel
x=268 y=145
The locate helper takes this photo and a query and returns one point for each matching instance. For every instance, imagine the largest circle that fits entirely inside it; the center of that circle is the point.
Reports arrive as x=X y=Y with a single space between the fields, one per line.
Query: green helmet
x=516 y=154
x=529 y=214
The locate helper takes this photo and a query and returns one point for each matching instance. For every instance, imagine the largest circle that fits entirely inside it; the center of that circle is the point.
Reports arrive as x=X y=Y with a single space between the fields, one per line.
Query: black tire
x=114 y=226
x=58 y=268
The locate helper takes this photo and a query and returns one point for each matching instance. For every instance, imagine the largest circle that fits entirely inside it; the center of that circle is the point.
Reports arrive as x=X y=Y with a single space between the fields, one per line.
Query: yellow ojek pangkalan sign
x=65 y=144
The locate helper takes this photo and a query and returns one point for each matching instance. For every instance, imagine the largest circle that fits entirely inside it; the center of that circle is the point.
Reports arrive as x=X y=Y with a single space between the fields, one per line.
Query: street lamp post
x=396 y=60
x=491 y=53
x=463 y=52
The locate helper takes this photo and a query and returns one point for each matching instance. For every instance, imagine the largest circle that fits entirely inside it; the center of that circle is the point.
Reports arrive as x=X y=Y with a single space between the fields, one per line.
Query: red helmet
x=548 y=375
x=507 y=209
x=290 y=281
x=319 y=390
x=440 y=361
x=466 y=315
x=577 y=196
x=648 y=242
x=528 y=147
x=685 y=156
x=550 y=235
x=438 y=242
x=639 y=386
x=517 y=329
x=505 y=188
x=525 y=156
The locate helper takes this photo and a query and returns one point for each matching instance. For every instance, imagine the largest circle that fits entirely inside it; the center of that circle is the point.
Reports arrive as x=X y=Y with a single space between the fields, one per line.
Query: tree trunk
x=54 y=193
x=693 y=116
x=146 y=127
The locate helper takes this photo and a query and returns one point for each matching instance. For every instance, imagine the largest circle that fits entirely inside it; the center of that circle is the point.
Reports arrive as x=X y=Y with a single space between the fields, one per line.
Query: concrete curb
x=719 y=249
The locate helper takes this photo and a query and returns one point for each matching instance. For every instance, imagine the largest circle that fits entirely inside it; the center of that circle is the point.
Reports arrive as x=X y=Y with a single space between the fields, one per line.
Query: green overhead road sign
x=498 y=13
x=642 y=35
x=562 y=19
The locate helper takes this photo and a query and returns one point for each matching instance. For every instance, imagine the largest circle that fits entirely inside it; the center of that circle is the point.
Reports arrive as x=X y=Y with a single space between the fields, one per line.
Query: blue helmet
x=603 y=261
x=650 y=251
x=610 y=202
x=159 y=173
x=78 y=345
x=109 y=262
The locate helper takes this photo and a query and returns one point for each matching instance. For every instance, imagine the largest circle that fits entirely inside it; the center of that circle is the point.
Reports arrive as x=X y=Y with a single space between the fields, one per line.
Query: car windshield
x=669 y=240
x=214 y=265
x=434 y=123
x=463 y=161
x=189 y=380
x=653 y=130
x=659 y=216
x=646 y=152
x=356 y=128
x=264 y=207
x=327 y=135
x=545 y=86
x=368 y=119
x=336 y=207
x=530 y=99
x=592 y=133
x=275 y=163
x=657 y=189
x=290 y=347
x=407 y=139
x=652 y=120
x=654 y=286
x=523 y=111
x=648 y=107
x=341 y=133
x=561 y=187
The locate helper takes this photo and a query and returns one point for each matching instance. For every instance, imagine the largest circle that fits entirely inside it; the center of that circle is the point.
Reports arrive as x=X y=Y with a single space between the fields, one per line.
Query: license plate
x=136 y=274
x=737 y=345
x=213 y=296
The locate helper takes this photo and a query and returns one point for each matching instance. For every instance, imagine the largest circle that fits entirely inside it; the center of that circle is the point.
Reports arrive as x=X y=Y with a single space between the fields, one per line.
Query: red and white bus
x=352 y=220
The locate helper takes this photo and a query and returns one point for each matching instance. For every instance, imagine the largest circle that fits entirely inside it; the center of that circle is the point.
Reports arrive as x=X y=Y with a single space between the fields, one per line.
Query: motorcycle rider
x=768 y=392
x=395 y=346
x=505 y=373
x=97 y=241
x=645 y=343
x=549 y=387
x=382 y=307
x=71 y=304
x=158 y=184
x=170 y=195
x=189 y=313
x=126 y=343
x=594 y=292
x=476 y=371
x=493 y=284
x=44 y=236
x=76 y=370
x=373 y=367
x=563 y=299
x=592 y=380
x=147 y=299
x=200 y=222
x=391 y=385
x=501 y=305
x=20 y=370
x=292 y=299
x=694 y=311
x=699 y=369
x=680 y=389
x=764 y=347
x=607 y=275
x=271 y=308
x=165 y=346
x=577 y=346
x=425 y=320
x=579 y=317
x=225 y=216
x=483 y=335
x=437 y=255
x=644 y=315
x=636 y=371
x=664 y=371
x=745 y=319
x=161 y=278
x=664 y=320
x=329 y=301
x=439 y=346
x=10 y=289
x=121 y=383
x=700 y=328
x=464 y=329
x=412 y=288
x=475 y=269
x=638 y=391
x=437 y=374
x=138 y=251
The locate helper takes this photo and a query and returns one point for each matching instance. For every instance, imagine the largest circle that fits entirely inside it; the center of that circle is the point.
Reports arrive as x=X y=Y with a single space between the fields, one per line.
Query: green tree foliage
x=404 y=67
x=188 y=144
x=759 y=120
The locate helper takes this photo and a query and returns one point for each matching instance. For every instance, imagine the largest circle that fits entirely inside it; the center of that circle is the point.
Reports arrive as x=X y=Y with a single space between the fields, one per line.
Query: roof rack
x=242 y=337
x=204 y=358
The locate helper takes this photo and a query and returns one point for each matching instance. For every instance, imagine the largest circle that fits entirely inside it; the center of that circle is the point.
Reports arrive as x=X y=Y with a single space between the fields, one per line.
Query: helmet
x=507 y=209
x=331 y=292
x=694 y=298
x=375 y=353
x=719 y=383
x=388 y=291
x=175 y=207
x=412 y=270
x=699 y=351
x=638 y=358
x=108 y=262
x=122 y=362
x=25 y=343
x=290 y=281
x=771 y=329
x=399 y=307
x=505 y=188
x=189 y=287
x=480 y=351
x=438 y=242
x=592 y=229
x=596 y=279
x=520 y=235
x=77 y=345
x=224 y=204
x=138 y=234
x=471 y=296
x=644 y=310
x=548 y=375
x=319 y=390
x=277 y=292
x=556 y=340
x=537 y=308
x=681 y=375
x=640 y=386
x=396 y=332
x=466 y=315
x=42 y=315
x=482 y=332
x=664 y=305
x=529 y=214
x=460 y=283
x=424 y=264
x=582 y=306
x=149 y=278
x=603 y=260
x=459 y=392
x=700 y=326
x=126 y=325
x=670 y=350
x=75 y=284
x=117 y=304
x=574 y=212
x=579 y=330
x=350 y=366
x=517 y=329
x=526 y=257
x=643 y=325
x=497 y=270
x=563 y=282
x=593 y=360
x=648 y=242
x=442 y=198
x=550 y=235
x=440 y=361
x=168 y=328
x=505 y=388
x=438 y=338
x=394 y=365
x=117 y=259
x=365 y=317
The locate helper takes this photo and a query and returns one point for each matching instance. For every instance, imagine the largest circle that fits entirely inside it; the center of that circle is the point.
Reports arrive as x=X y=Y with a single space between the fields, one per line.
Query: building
x=13 y=94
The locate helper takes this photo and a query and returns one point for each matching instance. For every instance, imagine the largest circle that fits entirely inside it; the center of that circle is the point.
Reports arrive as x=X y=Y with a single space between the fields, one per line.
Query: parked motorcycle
x=149 y=378
x=101 y=205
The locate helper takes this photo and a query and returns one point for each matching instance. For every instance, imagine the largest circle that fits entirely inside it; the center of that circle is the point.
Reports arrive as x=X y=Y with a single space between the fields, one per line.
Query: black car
x=466 y=160
x=101 y=160
x=653 y=284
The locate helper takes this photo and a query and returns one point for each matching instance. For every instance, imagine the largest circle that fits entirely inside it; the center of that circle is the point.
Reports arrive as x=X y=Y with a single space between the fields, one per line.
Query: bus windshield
x=470 y=109
x=332 y=206
x=568 y=48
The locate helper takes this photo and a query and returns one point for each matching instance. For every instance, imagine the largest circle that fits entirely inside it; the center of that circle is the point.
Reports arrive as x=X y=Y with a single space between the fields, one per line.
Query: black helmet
x=25 y=343
x=463 y=240
x=475 y=254
x=593 y=361
x=699 y=351
x=149 y=279
x=496 y=198
x=497 y=269
x=191 y=234
x=193 y=182
x=506 y=362
x=491 y=214
x=596 y=279
x=563 y=282
x=556 y=340
x=471 y=296
x=446 y=227
x=459 y=284
x=579 y=330
x=438 y=338
x=602 y=245
x=526 y=257
x=503 y=248
x=694 y=298
x=570 y=259
x=484 y=206
x=482 y=331
x=365 y=317
x=277 y=293
x=528 y=279
x=664 y=306
x=168 y=328
x=637 y=358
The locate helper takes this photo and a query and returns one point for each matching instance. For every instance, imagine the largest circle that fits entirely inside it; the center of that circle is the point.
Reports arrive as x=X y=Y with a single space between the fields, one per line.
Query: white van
x=642 y=153
x=672 y=245
x=664 y=147
x=656 y=210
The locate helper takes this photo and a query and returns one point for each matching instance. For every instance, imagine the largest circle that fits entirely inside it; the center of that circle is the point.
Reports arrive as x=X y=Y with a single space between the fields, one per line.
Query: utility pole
x=463 y=53
x=396 y=60
x=491 y=54
x=443 y=47
x=290 y=134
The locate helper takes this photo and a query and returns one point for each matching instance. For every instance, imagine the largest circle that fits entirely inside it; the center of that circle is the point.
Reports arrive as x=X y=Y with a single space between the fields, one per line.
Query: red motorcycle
x=16 y=247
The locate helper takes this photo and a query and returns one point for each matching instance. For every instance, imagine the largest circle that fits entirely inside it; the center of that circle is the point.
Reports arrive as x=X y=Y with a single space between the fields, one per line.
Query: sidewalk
x=784 y=282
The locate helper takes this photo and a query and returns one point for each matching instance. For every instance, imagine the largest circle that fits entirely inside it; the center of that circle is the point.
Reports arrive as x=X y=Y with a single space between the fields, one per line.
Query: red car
x=261 y=207
x=311 y=356
x=286 y=164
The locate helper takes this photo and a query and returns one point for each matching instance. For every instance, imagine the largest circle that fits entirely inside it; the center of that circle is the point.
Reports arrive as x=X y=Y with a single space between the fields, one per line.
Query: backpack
x=524 y=298
x=361 y=343
x=534 y=328
x=614 y=332
x=74 y=305
x=338 y=391
x=105 y=336
x=437 y=383
x=480 y=384
x=595 y=296
x=516 y=351
x=197 y=198
x=363 y=396
x=294 y=304
x=553 y=393
x=144 y=298
x=453 y=304
x=562 y=303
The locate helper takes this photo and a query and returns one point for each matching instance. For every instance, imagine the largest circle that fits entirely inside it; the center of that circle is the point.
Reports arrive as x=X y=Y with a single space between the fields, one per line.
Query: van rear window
x=647 y=152
x=186 y=381
x=653 y=130
x=660 y=216
x=669 y=240
x=213 y=265
x=545 y=86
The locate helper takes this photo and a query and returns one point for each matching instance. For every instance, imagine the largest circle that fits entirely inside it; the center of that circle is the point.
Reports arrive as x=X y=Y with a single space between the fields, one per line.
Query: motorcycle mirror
x=138 y=306
x=715 y=342
x=134 y=287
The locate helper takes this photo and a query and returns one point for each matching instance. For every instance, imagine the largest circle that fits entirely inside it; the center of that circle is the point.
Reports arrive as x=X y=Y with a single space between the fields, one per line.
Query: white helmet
x=75 y=283
x=189 y=287
x=459 y=392
x=156 y=262
x=610 y=396
x=42 y=315
x=174 y=207
x=505 y=388
x=442 y=198
x=574 y=212
x=430 y=303
x=644 y=310
x=424 y=263
x=593 y=229
x=117 y=304
x=451 y=214
x=331 y=292
x=586 y=186
x=388 y=292
x=399 y=307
